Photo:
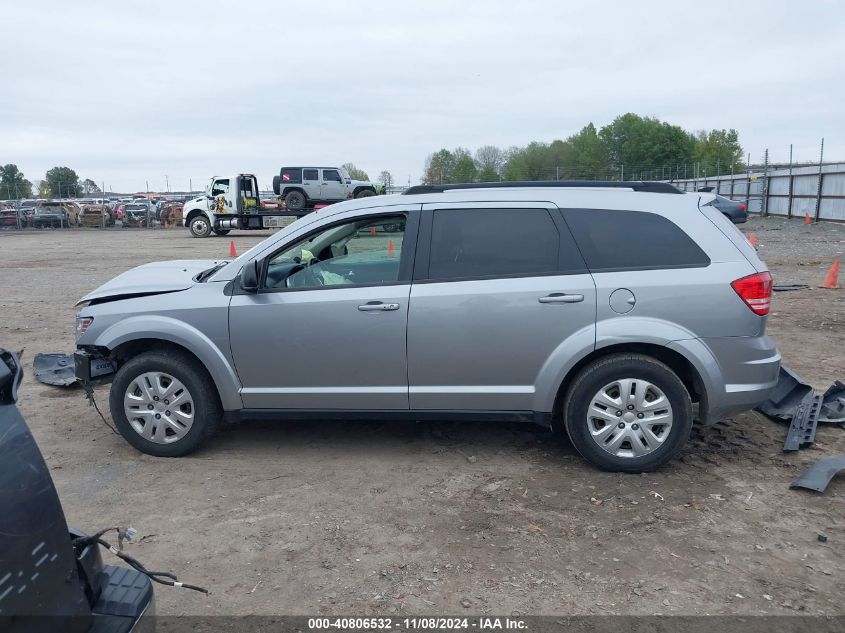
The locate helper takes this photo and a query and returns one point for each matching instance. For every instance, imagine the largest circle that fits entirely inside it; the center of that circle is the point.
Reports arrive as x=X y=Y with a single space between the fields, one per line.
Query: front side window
x=220 y=188
x=470 y=243
x=360 y=252
x=309 y=174
x=331 y=175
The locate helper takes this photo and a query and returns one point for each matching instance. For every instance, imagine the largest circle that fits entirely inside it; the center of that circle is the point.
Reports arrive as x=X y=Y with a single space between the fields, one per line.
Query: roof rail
x=636 y=185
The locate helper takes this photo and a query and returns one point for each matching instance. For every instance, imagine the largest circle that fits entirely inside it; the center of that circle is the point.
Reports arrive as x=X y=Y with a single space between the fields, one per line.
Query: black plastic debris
x=789 y=287
x=833 y=404
x=802 y=428
x=54 y=369
x=786 y=396
x=818 y=476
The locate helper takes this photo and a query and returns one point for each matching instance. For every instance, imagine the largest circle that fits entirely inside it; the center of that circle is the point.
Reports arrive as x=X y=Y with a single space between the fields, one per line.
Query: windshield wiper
x=209 y=272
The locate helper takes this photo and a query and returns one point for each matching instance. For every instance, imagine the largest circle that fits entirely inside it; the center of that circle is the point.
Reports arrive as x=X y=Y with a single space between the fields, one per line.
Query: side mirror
x=250 y=276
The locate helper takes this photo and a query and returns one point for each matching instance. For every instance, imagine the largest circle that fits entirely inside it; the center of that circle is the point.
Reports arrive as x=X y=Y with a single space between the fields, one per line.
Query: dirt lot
x=357 y=518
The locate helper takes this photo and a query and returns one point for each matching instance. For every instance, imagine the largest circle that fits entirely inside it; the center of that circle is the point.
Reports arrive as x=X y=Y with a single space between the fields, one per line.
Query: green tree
x=89 y=186
x=464 y=169
x=718 y=150
x=355 y=173
x=532 y=162
x=646 y=145
x=13 y=185
x=589 y=153
x=62 y=182
x=439 y=168
x=489 y=161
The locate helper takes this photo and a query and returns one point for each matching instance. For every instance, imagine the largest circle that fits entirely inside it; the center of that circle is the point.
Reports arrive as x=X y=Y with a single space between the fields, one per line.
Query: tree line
x=58 y=182
x=632 y=147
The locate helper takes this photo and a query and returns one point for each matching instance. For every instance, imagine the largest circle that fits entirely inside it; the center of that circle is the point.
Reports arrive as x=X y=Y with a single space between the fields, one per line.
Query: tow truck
x=232 y=202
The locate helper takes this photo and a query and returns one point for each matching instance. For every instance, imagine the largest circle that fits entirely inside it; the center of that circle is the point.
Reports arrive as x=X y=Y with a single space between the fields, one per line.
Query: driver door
x=221 y=190
x=327 y=329
x=332 y=186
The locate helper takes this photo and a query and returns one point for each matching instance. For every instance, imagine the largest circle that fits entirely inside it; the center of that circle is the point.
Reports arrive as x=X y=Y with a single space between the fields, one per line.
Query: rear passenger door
x=311 y=183
x=498 y=288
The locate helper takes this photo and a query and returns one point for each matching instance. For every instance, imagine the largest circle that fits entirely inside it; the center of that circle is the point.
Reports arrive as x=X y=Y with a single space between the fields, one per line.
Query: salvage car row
x=138 y=213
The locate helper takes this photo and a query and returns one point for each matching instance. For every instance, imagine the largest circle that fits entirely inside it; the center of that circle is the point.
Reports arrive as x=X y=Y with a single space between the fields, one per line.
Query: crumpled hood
x=154 y=278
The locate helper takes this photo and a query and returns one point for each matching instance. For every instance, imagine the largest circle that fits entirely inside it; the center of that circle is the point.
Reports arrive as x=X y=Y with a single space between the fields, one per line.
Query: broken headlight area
x=91 y=364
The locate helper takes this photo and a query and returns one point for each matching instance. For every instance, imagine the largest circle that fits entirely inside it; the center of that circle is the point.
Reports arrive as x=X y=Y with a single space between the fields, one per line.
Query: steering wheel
x=292 y=272
x=309 y=278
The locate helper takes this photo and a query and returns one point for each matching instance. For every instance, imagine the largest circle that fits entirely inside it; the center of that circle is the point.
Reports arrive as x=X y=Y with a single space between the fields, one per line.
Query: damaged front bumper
x=92 y=366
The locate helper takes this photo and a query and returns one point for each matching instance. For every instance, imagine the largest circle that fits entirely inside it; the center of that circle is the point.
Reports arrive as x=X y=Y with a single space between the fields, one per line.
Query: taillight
x=756 y=291
x=742 y=206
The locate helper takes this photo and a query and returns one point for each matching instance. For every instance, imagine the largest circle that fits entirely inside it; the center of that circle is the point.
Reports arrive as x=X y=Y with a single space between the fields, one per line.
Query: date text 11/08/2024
x=423 y=623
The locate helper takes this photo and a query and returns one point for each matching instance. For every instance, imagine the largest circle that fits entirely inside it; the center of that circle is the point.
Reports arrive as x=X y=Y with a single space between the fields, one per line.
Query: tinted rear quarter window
x=291 y=175
x=613 y=240
x=473 y=243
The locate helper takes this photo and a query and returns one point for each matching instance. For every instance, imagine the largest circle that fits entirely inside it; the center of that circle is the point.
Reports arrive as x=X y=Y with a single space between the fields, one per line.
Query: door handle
x=378 y=306
x=561 y=297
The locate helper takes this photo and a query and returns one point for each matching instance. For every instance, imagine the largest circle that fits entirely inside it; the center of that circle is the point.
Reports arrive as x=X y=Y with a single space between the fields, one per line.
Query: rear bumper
x=737 y=372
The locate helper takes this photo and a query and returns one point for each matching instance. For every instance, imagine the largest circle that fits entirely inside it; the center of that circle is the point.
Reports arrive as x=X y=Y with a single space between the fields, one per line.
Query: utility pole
x=167 y=181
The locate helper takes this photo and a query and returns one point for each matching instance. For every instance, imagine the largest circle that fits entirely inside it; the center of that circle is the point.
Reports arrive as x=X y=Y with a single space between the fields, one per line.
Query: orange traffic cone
x=391 y=249
x=232 y=251
x=372 y=230
x=807 y=219
x=831 y=279
x=752 y=239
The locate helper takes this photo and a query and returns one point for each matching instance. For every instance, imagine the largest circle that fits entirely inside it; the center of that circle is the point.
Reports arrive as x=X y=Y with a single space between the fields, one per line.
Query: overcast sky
x=128 y=92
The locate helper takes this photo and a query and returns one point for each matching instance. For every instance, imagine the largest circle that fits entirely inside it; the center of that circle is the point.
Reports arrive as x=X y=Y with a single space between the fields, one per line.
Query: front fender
x=178 y=332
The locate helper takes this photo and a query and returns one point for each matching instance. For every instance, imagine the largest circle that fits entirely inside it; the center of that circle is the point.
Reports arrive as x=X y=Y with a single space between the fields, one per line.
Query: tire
x=365 y=193
x=205 y=409
x=221 y=232
x=602 y=447
x=199 y=226
x=295 y=200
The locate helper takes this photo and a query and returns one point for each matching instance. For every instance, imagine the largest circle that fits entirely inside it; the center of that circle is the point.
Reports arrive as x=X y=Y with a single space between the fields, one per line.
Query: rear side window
x=309 y=174
x=291 y=175
x=632 y=240
x=471 y=243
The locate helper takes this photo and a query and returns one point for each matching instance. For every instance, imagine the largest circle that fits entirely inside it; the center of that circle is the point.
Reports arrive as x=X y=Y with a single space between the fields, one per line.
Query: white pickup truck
x=230 y=202
x=303 y=187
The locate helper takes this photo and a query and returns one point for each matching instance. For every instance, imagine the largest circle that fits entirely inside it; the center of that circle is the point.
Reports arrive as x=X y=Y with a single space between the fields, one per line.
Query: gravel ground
x=382 y=518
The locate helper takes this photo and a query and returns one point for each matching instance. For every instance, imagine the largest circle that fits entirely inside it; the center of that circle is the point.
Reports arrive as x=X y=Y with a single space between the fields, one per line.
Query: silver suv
x=602 y=310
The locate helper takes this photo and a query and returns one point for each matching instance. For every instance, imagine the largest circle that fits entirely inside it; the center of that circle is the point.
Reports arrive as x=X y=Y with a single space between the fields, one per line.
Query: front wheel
x=628 y=413
x=199 y=226
x=365 y=193
x=164 y=404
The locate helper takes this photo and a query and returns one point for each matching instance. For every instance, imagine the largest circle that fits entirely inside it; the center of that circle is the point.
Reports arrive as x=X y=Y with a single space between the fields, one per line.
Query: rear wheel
x=199 y=226
x=164 y=404
x=295 y=200
x=628 y=413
